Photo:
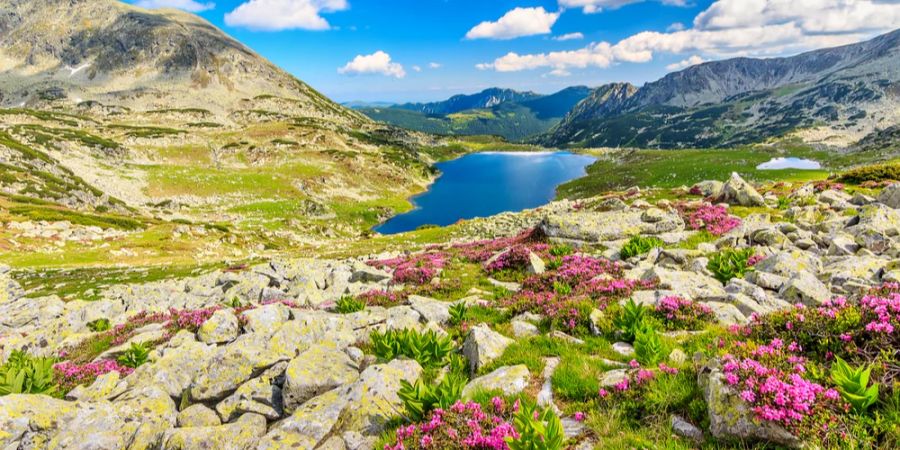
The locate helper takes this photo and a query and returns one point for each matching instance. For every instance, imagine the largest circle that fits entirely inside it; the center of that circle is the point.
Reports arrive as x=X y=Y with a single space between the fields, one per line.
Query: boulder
x=222 y=327
x=736 y=191
x=240 y=435
x=308 y=425
x=233 y=365
x=432 y=310
x=594 y=227
x=315 y=371
x=731 y=418
x=511 y=380
x=890 y=196
x=175 y=369
x=265 y=319
x=790 y=263
x=709 y=188
x=805 y=288
x=692 y=285
x=198 y=415
x=483 y=345
x=261 y=395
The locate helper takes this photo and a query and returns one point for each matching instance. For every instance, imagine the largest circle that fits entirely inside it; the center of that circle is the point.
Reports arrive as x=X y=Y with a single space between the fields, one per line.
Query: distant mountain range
x=504 y=112
x=844 y=93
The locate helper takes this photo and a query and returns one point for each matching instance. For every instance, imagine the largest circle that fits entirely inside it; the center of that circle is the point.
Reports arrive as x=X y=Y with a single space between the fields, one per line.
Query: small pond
x=789 y=163
x=484 y=184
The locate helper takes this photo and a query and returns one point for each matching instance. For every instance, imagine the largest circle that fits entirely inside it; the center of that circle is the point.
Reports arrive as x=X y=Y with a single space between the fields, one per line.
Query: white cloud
x=677 y=26
x=685 y=63
x=516 y=23
x=434 y=65
x=730 y=28
x=569 y=37
x=276 y=15
x=187 y=5
x=416 y=68
x=595 y=6
x=376 y=63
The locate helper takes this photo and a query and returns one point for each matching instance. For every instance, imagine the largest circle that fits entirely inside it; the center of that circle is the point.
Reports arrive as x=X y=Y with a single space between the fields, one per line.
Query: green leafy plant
x=630 y=319
x=24 y=374
x=562 y=288
x=537 y=430
x=428 y=348
x=233 y=303
x=99 y=325
x=458 y=313
x=853 y=384
x=730 y=263
x=561 y=250
x=421 y=398
x=348 y=305
x=135 y=356
x=648 y=347
x=638 y=245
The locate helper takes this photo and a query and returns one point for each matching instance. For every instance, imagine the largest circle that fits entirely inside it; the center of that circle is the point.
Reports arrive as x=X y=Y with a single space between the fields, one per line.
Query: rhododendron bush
x=463 y=426
x=712 y=218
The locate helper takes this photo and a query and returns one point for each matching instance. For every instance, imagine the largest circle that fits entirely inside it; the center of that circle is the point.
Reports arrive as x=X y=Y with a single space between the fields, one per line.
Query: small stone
x=222 y=327
x=483 y=345
x=511 y=380
x=686 y=429
x=613 y=377
x=623 y=348
x=524 y=329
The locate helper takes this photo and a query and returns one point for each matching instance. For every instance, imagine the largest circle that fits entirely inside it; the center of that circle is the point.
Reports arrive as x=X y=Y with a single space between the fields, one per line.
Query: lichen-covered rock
x=890 y=196
x=524 y=329
x=692 y=285
x=726 y=313
x=234 y=364
x=317 y=370
x=175 y=368
x=261 y=395
x=198 y=415
x=432 y=310
x=736 y=191
x=311 y=327
x=611 y=378
x=483 y=345
x=222 y=327
x=875 y=227
x=309 y=424
x=105 y=387
x=373 y=399
x=511 y=380
x=592 y=227
x=265 y=319
x=240 y=435
x=805 y=288
x=790 y=263
x=731 y=418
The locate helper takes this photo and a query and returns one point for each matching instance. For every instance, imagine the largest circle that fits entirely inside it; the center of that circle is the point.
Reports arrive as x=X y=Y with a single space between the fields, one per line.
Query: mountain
x=108 y=51
x=843 y=93
x=485 y=99
x=503 y=112
x=123 y=118
x=359 y=104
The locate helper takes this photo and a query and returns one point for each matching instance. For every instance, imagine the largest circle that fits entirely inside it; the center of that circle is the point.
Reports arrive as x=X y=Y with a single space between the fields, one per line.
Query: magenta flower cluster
x=882 y=312
x=190 y=319
x=516 y=258
x=713 y=218
x=462 y=426
x=771 y=380
x=414 y=269
x=69 y=374
x=683 y=314
x=481 y=251
x=379 y=297
x=574 y=270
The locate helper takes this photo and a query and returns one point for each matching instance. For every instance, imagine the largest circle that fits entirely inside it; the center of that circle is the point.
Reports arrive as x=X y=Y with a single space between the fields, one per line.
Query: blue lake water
x=483 y=184
x=789 y=163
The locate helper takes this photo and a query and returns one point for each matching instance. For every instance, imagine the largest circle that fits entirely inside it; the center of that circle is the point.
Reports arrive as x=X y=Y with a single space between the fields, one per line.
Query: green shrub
x=730 y=263
x=135 y=356
x=853 y=384
x=630 y=319
x=99 y=325
x=537 y=430
x=348 y=305
x=648 y=348
x=878 y=172
x=420 y=398
x=429 y=349
x=638 y=245
x=24 y=374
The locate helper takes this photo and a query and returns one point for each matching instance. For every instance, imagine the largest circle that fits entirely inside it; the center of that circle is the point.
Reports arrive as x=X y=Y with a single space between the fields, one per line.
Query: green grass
x=673 y=168
x=39 y=212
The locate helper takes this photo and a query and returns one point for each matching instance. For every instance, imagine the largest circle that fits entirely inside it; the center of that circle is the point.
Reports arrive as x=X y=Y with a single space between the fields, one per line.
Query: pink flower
x=579 y=416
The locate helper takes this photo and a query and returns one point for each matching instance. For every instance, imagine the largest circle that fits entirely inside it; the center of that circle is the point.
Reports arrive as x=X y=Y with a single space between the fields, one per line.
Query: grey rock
x=736 y=191
x=483 y=345
x=805 y=288
x=198 y=415
x=314 y=372
x=686 y=429
x=240 y=435
x=511 y=380
x=222 y=327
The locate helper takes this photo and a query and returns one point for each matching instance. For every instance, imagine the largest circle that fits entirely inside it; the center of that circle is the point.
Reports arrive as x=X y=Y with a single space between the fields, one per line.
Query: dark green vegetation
x=514 y=116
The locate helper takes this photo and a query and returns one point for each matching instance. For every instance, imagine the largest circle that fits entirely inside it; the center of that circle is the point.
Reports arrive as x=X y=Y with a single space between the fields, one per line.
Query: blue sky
x=422 y=50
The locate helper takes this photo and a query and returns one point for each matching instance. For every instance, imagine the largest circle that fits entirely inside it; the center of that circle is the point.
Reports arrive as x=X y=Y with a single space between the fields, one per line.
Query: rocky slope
x=485 y=99
x=271 y=356
x=107 y=51
x=844 y=92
